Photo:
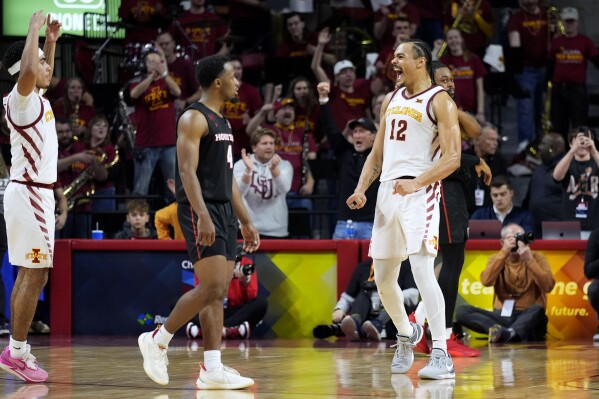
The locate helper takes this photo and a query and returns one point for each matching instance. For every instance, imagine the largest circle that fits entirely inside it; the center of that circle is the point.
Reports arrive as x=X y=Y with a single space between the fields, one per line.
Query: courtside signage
x=69 y=12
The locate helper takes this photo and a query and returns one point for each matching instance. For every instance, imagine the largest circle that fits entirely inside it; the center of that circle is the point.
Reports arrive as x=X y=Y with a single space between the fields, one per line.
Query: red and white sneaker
x=25 y=368
x=457 y=348
x=422 y=345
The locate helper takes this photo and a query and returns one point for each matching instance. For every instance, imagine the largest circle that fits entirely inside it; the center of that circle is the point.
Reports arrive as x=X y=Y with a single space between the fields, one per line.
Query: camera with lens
x=526 y=239
x=247 y=269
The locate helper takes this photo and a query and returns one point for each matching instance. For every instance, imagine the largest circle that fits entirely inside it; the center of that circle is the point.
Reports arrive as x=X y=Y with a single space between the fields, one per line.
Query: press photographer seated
x=521 y=279
x=243 y=308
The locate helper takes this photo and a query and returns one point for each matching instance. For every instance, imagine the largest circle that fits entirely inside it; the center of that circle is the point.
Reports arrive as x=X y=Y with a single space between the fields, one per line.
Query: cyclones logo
x=434 y=242
x=36 y=255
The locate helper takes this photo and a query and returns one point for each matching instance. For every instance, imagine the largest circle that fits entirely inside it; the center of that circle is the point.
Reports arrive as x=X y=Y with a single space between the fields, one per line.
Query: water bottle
x=350 y=230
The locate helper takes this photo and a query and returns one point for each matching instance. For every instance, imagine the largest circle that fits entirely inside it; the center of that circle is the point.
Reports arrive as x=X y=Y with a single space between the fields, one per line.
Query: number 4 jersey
x=215 y=163
x=411 y=136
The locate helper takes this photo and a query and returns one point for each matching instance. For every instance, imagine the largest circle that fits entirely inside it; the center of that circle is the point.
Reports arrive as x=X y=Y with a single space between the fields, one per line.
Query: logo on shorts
x=434 y=242
x=36 y=256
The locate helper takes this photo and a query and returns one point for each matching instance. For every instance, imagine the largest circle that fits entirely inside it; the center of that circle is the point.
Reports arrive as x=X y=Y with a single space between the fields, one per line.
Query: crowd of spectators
x=280 y=56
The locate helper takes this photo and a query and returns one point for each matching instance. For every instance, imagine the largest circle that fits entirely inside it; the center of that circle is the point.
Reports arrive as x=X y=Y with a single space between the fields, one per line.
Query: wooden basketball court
x=109 y=367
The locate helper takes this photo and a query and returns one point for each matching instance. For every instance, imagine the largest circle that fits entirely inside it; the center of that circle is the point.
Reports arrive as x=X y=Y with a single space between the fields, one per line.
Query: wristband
x=165 y=74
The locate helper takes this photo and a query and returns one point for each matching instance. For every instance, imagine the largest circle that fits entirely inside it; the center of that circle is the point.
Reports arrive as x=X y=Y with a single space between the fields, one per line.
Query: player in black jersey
x=209 y=207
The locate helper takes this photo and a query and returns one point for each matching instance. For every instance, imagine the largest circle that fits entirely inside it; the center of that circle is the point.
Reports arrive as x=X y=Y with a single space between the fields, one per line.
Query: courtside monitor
x=484 y=229
x=561 y=230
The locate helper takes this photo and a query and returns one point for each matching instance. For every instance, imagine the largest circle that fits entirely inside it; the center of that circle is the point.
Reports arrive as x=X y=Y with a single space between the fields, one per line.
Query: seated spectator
x=351 y=148
x=521 y=279
x=264 y=179
x=544 y=197
x=578 y=171
x=503 y=209
x=591 y=271
x=136 y=225
x=96 y=141
x=166 y=219
x=359 y=314
x=73 y=107
x=244 y=309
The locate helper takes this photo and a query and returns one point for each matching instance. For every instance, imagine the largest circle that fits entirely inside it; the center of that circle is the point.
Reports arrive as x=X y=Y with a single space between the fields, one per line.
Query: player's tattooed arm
x=376 y=171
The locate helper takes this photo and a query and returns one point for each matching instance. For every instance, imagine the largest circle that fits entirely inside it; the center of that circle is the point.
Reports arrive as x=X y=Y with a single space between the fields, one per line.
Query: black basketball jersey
x=215 y=165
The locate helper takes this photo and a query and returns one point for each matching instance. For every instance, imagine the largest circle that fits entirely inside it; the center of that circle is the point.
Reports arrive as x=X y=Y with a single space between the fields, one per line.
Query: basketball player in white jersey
x=417 y=145
x=29 y=197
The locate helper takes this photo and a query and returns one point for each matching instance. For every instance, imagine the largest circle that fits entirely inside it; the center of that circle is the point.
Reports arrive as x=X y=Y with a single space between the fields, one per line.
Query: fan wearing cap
x=569 y=54
x=351 y=148
x=289 y=145
x=350 y=97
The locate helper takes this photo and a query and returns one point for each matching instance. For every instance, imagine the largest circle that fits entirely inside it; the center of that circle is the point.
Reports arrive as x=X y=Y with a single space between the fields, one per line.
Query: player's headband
x=16 y=67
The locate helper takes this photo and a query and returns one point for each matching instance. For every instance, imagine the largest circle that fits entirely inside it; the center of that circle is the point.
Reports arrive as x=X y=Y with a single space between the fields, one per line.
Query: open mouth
x=399 y=72
x=358 y=142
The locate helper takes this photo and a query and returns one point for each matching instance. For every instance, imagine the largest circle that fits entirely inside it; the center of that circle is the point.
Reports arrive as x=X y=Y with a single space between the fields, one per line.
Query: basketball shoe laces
x=29 y=359
x=161 y=359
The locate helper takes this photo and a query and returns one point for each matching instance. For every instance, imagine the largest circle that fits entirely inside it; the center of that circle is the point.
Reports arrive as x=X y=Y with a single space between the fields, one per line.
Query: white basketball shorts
x=402 y=224
x=29 y=216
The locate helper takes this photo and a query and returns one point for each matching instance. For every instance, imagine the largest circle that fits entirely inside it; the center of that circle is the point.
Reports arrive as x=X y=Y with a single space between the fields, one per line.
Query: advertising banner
x=71 y=13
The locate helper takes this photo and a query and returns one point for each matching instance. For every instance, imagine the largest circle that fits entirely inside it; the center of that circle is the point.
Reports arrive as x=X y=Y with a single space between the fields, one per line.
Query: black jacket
x=349 y=167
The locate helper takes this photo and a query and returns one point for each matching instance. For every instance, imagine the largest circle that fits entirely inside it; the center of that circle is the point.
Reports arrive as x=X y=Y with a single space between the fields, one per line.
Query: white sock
x=163 y=337
x=17 y=348
x=386 y=272
x=448 y=332
x=212 y=360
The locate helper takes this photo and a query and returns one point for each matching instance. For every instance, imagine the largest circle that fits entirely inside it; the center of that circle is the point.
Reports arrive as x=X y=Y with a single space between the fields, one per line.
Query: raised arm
x=30 y=59
x=323 y=38
x=52 y=34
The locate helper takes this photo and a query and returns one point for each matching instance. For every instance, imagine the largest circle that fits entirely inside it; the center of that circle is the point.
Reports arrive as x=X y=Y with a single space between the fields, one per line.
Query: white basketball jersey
x=411 y=136
x=34 y=146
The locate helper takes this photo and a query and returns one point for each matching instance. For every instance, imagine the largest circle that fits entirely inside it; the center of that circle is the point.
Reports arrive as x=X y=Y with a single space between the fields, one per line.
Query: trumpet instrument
x=456 y=23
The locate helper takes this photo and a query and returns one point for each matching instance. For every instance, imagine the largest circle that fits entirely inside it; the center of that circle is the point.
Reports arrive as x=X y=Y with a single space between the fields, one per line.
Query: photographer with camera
x=244 y=309
x=521 y=279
